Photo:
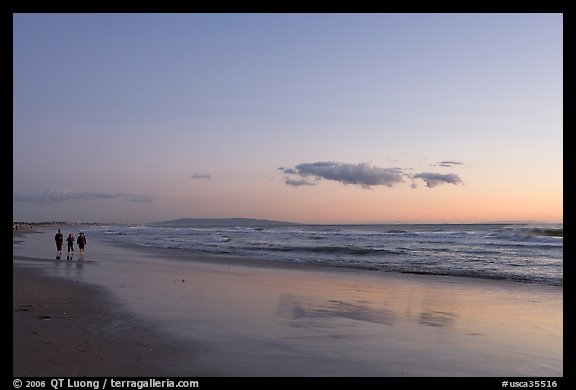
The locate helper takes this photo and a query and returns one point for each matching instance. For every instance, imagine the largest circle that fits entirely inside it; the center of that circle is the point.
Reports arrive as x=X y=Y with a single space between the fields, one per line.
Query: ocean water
x=517 y=252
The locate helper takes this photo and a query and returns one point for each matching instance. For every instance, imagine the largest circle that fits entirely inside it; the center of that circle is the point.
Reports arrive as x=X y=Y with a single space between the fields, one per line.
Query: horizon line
x=217 y=219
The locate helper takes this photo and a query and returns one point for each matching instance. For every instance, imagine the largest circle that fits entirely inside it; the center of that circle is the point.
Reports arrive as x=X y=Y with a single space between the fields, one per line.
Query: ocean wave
x=348 y=250
x=509 y=252
x=546 y=232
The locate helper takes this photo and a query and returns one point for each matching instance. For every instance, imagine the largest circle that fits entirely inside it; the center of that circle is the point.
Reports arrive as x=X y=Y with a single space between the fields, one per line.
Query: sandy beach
x=138 y=312
x=62 y=328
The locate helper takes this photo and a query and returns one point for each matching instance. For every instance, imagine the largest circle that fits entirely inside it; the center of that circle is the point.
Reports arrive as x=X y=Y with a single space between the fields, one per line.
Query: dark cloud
x=359 y=174
x=434 y=179
x=59 y=195
x=449 y=163
x=363 y=174
x=199 y=175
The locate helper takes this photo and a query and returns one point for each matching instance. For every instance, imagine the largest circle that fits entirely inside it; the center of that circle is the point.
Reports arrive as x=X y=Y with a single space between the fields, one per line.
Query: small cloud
x=435 y=179
x=198 y=175
x=298 y=182
x=60 y=195
x=137 y=198
x=449 y=163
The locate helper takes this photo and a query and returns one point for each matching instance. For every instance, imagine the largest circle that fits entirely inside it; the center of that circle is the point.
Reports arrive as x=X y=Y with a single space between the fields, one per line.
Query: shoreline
x=262 y=262
x=231 y=317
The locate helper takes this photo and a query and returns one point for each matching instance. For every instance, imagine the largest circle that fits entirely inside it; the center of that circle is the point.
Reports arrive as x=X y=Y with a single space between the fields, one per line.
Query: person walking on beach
x=70 y=241
x=81 y=243
x=59 y=238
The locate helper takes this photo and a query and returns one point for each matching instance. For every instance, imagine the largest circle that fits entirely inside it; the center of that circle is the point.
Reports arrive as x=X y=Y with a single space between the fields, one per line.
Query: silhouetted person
x=59 y=238
x=70 y=241
x=81 y=243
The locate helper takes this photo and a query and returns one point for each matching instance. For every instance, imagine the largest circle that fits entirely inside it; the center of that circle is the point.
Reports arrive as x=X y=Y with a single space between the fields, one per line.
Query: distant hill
x=219 y=222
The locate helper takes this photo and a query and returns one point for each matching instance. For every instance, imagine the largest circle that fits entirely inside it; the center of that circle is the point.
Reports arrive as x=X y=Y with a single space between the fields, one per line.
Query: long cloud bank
x=59 y=195
x=362 y=174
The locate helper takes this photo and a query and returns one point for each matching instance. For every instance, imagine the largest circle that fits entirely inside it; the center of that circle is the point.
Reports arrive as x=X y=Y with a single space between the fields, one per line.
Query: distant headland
x=220 y=222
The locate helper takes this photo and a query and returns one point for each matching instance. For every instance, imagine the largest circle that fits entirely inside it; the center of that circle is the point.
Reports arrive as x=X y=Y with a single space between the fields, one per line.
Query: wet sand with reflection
x=247 y=317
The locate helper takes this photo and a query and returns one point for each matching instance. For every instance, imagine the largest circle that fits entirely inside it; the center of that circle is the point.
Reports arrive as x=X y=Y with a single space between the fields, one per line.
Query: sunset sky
x=316 y=118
